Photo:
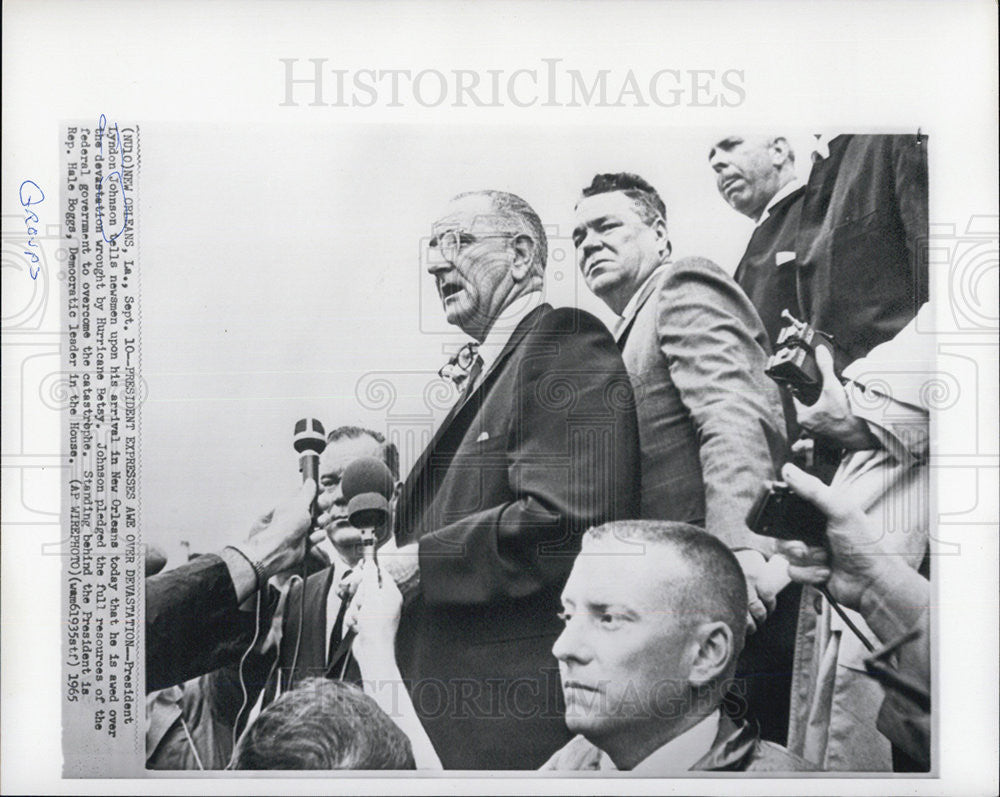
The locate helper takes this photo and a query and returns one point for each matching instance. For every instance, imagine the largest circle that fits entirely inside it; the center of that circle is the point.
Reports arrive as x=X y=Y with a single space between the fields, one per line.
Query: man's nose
x=592 y=242
x=571 y=646
x=437 y=263
x=719 y=162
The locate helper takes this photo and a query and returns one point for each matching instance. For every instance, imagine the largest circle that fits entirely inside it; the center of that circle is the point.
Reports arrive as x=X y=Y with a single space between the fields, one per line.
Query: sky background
x=282 y=277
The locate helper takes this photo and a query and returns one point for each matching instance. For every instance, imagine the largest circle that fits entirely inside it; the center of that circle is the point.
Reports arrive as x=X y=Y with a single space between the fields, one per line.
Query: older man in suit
x=542 y=444
x=710 y=422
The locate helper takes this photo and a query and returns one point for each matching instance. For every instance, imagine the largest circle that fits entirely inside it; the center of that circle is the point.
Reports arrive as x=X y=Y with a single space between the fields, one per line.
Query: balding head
x=749 y=171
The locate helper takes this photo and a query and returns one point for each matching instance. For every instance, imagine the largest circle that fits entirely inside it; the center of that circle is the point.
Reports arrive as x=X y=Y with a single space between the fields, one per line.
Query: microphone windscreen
x=309 y=436
x=367 y=475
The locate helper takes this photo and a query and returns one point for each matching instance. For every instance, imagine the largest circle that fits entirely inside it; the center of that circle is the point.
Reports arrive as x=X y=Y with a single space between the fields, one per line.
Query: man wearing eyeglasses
x=541 y=445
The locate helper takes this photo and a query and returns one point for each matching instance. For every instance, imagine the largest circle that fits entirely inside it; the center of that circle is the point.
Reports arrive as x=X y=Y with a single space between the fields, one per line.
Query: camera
x=794 y=360
x=780 y=513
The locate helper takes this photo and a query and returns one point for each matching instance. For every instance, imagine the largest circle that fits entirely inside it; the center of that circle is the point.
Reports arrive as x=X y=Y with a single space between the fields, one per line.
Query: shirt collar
x=679 y=754
x=788 y=188
x=632 y=307
x=505 y=325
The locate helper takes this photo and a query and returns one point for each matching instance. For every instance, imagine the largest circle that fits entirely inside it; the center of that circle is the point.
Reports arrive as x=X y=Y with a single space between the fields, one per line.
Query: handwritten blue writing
x=116 y=186
x=31 y=194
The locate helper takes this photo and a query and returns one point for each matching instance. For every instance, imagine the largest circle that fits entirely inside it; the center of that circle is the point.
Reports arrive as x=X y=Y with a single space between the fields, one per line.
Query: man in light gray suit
x=711 y=428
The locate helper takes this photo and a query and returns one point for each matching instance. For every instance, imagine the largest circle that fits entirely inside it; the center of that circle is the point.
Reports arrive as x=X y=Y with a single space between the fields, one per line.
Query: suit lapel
x=621 y=334
x=312 y=647
x=409 y=493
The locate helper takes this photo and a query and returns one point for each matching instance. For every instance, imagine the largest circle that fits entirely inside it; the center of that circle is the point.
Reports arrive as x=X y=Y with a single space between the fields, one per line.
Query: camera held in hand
x=780 y=513
x=794 y=360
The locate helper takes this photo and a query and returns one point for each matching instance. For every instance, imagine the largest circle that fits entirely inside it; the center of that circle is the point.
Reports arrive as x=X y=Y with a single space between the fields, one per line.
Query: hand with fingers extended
x=854 y=560
x=274 y=544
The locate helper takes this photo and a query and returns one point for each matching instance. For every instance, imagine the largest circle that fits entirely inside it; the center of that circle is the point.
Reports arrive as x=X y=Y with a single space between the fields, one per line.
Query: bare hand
x=761 y=593
x=856 y=558
x=277 y=538
x=374 y=616
x=831 y=415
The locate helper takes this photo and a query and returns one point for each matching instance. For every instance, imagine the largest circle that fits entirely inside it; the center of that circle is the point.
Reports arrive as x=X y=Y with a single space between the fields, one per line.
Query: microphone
x=367 y=485
x=309 y=441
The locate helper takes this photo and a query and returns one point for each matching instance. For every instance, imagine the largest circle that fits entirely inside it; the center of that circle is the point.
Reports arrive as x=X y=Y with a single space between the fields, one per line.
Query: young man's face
x=626 y=649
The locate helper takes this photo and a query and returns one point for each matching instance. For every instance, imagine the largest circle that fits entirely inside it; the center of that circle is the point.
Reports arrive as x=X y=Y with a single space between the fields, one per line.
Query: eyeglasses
x=452 y=242
x=460 y=364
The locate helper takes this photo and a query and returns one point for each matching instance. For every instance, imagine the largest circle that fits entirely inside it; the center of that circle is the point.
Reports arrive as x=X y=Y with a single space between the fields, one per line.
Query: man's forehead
x=611 y=203
x=342 y=452
x=472 y=213
x=622 y=572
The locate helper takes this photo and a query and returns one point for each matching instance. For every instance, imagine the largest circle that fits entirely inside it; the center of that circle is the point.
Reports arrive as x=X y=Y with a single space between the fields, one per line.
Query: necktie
x=338 y=626
x=474 y=373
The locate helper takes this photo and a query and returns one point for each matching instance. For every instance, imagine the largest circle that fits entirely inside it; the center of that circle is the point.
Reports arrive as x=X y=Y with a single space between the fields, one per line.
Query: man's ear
x=662 y=239
x=714 y=653
x=780 y=150
x=524 y=256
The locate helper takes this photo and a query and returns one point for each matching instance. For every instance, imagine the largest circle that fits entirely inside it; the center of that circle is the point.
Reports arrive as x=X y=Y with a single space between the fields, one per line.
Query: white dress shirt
x=792 y=185
x=679 y=754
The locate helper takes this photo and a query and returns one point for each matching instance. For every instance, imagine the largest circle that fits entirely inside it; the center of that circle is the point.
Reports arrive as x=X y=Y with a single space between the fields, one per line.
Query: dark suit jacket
x=695 y=350
x=545 y=447
x=772 y=287
x=862 y=242
x=193 y=623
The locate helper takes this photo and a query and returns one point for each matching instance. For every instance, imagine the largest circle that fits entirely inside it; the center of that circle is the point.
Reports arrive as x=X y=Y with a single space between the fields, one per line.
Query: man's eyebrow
x=604 y=608
x=592 y=222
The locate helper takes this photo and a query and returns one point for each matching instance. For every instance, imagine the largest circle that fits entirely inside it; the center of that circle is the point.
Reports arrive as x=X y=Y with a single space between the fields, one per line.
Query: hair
x=323 y=724
x=515 y=209
x=731 y=142
x=715 y=586
x=390 y=454
x=646 y=199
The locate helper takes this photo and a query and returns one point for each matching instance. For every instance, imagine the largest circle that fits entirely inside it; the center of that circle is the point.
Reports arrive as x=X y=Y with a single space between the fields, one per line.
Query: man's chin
x=348 y=547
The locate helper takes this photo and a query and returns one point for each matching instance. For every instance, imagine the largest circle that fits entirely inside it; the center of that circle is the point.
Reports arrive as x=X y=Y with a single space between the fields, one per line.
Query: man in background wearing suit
x=299 y=637
x=541 y=445
x=756 y=177
x=852 y=242
x=710 y=422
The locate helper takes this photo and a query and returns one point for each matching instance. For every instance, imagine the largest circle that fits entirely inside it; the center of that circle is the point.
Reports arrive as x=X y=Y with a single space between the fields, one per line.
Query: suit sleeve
x=910 y=185
x=715 y=348
x=193 y=623
x=571 y=463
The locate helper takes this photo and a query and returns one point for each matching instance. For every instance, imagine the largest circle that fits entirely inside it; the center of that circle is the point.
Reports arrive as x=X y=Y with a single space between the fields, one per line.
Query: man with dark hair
x=541 y=445
x=695 y=351
x=655 y=617
x=323 y=724
x=299 y=632
x=711 y=428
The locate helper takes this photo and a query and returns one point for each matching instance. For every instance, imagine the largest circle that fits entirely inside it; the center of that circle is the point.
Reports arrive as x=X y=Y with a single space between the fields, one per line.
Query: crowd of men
x=571 y=582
